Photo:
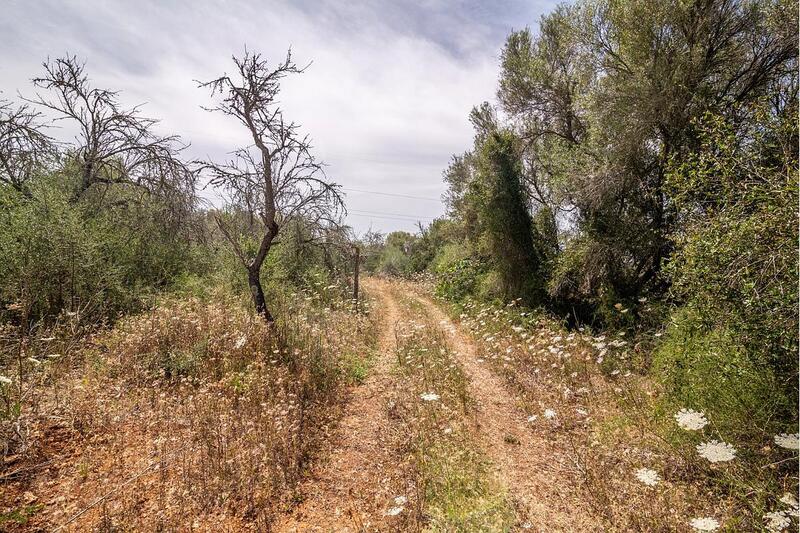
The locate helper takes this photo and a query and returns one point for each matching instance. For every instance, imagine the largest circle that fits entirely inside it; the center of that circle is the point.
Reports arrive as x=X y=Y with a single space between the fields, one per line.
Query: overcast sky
x=385 y=100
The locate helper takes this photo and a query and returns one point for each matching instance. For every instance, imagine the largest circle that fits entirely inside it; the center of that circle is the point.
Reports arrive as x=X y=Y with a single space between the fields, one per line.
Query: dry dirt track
x=530 y=467
x=353 y=486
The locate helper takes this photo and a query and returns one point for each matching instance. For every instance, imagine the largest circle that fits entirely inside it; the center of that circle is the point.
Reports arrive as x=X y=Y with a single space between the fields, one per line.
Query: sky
x=385 y=98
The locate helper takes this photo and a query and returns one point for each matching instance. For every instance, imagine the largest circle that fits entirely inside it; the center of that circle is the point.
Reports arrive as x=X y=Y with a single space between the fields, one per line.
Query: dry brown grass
x=195 y=415
x=602 y=430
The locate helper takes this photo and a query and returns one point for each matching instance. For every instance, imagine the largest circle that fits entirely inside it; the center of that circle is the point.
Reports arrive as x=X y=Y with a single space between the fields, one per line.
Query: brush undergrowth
x=615 y=420
x=195 y=414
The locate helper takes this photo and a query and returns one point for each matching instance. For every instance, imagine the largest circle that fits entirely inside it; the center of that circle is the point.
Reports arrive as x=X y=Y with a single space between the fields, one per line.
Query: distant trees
x=274 y=180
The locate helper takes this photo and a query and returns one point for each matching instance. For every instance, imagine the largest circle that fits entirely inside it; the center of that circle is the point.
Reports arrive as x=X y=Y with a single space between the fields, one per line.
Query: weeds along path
x=352 y=486
x=531 y=467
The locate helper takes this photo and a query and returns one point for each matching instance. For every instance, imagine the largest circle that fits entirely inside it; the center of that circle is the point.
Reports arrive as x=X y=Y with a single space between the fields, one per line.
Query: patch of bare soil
x=353 y=486
x=537 y=469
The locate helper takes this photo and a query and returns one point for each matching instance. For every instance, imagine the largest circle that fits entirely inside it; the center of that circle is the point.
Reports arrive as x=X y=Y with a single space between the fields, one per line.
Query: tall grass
x=194 y=414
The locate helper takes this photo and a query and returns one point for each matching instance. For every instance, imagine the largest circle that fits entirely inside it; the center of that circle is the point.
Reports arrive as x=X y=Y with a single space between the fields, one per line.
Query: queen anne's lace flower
x=704 y=524
x=549 y=414
x=789 y=499
x=788 y=441
x=690 y=419
x=394 y=511
x=777 y=521
x=716 y=451
x=648 y=477
x=429 y=396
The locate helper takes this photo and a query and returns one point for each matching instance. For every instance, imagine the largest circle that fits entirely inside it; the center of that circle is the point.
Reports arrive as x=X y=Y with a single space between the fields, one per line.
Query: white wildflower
x=789 y=499
x=533 y=418
x=429 y=396
x=704 y=524
x=582 y=412
x=690 y=419
x=5 y=380
x=777 y=521
x=788 y=441
x=716 y=451
x=549 y=414
x=394 y=511
x=648 y=477
x=240 y=343
x=400 y=500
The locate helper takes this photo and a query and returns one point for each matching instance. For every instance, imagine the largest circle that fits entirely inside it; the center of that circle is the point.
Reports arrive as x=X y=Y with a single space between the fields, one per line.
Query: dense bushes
x=94 y=257
x=733 y=345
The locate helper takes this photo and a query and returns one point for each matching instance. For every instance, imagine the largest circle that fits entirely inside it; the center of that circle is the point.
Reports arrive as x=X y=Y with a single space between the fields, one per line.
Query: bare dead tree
x=24 y=147
x=275 y=179
x=114 y=145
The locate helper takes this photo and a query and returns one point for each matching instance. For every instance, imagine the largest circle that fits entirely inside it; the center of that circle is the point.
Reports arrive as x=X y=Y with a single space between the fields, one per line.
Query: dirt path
x=527 y=464
x=353 y=487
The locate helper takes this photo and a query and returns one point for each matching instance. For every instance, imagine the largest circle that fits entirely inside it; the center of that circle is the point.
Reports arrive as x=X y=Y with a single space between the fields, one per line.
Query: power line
x=350 y=214
x=393 y=194
x=415 y=217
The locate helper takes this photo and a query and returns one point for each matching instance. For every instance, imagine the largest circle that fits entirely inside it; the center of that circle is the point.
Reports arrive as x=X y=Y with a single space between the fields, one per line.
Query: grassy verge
x=635 y=466
x=455 y=485
x=194 y=414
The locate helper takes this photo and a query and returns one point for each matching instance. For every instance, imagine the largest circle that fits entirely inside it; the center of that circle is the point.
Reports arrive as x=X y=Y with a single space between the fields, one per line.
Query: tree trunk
x=254 y=280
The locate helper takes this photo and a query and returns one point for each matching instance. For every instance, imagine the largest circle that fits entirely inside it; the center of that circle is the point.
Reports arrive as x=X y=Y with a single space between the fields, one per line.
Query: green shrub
x=458 y=280
x=711 y=371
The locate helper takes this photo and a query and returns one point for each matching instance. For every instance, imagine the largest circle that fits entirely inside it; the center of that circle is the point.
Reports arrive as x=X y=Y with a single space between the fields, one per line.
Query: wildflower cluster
x=573 y=378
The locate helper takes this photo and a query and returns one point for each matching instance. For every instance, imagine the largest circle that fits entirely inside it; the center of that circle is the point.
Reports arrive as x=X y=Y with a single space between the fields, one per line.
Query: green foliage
x=457 y=278
x=504 y=218
x=712 y=372
x=98 y=260
x=394 y=261
x=735 y=265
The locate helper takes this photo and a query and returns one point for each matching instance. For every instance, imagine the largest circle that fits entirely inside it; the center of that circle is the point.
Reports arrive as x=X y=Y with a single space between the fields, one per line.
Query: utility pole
x=356 y=266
